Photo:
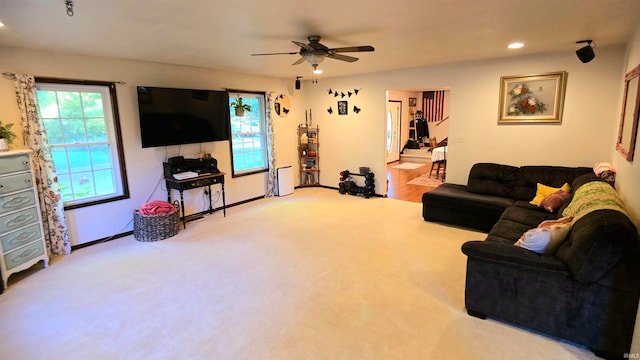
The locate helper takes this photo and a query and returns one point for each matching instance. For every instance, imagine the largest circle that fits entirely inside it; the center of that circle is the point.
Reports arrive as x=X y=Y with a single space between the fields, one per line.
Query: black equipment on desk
x=179 y=164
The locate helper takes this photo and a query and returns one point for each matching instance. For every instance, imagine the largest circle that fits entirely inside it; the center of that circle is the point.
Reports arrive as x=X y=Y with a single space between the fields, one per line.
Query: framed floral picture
x=532 y=98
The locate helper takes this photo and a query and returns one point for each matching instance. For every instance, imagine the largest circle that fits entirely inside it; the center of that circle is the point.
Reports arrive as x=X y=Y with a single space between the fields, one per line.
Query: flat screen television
x=182 y=116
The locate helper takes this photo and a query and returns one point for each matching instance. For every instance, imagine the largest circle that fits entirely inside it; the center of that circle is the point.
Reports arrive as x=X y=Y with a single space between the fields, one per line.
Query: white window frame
x=114 y=137
x=261 y=111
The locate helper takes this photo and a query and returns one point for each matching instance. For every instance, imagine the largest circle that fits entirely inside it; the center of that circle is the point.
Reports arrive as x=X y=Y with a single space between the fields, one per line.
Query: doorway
x=408 y=167
x=394 y=119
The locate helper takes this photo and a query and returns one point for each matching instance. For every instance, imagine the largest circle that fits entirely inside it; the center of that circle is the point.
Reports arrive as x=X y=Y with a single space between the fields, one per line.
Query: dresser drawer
x=14 y=163
x=18 y=219
x=15 y=182
x=20 y=237
x=17 y=201
x=23 y=254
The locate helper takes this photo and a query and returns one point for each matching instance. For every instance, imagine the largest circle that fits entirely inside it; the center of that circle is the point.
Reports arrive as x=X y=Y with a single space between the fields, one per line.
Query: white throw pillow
x=547 y=237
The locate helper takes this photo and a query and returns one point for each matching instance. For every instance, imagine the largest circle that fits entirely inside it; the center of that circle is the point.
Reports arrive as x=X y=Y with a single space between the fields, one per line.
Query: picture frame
x=630 y=115
x=412 y=102
x=343 y=107
x=532 y=98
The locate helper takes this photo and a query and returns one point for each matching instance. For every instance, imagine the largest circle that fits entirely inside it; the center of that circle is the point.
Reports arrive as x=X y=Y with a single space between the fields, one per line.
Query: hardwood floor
x=398 y=182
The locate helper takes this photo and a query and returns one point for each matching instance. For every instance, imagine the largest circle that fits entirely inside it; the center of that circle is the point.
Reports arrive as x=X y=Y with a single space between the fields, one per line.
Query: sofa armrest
x=515 y=256
x=601 y=242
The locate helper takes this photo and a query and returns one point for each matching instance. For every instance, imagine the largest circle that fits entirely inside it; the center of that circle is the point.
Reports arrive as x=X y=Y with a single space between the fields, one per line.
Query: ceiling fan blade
x=303 y=45
x=353 y=49
x=281 y=53
x=342 y=57
x=300 y=61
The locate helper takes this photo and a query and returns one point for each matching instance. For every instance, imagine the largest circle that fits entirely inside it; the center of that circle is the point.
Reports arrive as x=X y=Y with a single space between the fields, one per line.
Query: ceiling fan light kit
x=314 y=53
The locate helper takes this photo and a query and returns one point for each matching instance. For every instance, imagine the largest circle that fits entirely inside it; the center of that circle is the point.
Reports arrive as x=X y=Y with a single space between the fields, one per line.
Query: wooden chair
x=432 y=143
x=438 y=164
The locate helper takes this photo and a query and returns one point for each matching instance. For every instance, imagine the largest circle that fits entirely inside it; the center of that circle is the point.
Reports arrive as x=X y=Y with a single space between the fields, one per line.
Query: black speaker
x=585 y=54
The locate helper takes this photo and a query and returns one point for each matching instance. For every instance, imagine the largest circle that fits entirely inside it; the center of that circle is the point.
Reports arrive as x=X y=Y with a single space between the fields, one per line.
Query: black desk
x=196 y=182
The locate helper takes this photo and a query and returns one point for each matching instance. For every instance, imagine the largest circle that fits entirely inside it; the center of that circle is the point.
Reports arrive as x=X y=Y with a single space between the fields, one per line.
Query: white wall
x=144 y=166
x=586 y=135
x=628 y=176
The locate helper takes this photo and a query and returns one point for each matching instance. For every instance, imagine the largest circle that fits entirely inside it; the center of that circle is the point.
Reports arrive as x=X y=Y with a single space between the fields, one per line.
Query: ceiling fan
x=314 y=52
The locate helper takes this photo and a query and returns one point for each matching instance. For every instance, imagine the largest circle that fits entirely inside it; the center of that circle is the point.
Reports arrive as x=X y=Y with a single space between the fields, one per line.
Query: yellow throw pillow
x=543 y=191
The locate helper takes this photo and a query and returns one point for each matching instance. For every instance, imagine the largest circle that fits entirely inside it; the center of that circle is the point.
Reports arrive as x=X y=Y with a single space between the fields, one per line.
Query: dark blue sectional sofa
x=587 y=292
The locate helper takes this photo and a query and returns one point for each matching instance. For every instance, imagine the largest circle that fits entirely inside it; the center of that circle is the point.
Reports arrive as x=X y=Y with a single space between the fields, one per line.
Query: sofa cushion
x=453 y=204
x=555 y=176
x=596 y=243
x=492 y=179
x=514 y=256
x=516 y=220
x=583 y=179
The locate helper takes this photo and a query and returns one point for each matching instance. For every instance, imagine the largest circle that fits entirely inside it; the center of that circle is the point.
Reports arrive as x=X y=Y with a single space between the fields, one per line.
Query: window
x=248 y=135
x=83 y=129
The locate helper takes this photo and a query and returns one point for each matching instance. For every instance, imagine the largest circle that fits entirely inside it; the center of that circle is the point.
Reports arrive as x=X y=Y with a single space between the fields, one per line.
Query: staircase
x=422 y=155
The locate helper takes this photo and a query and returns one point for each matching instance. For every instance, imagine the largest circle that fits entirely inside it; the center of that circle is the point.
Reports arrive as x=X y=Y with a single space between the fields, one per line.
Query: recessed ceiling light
x=1 y=24
x=515 y=45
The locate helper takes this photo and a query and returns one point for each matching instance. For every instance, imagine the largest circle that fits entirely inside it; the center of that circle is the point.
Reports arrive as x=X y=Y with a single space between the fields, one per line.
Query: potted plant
x=6 y=136
x=240 y=107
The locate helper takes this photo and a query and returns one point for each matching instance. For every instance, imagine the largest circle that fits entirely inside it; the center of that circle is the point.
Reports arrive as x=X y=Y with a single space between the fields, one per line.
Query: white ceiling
x=222 y=34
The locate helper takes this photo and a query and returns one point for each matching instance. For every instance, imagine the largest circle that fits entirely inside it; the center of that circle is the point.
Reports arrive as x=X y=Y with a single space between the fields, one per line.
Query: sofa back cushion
x=597 y=243
x=555 y=176
x=492 y=179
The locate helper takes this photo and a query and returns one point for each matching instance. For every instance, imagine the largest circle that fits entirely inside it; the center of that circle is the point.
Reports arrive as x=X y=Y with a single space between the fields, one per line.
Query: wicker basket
x=156 y=227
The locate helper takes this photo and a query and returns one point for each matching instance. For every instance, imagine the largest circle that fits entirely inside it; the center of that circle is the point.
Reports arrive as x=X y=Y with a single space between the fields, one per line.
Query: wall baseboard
x=190 y=217
x=99 y=241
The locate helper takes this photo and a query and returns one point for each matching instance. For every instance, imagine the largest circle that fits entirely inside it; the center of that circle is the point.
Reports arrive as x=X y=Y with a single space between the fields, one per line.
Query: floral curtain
x=35 y=138
x=271 y=148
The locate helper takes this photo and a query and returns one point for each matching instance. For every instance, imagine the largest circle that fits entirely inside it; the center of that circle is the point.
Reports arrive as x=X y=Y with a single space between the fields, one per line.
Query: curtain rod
x=11 y=76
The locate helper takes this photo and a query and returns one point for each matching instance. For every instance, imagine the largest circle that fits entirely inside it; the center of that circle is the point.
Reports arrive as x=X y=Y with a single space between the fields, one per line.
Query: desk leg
x=224 y=203
x=210 y=205
x=184 y=217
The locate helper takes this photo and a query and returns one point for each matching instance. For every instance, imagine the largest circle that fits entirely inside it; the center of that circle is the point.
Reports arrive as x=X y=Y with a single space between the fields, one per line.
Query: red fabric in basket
x=156 y=207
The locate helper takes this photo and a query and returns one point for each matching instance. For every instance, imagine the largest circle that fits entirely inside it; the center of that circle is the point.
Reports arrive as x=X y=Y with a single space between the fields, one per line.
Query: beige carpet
x=313 y=275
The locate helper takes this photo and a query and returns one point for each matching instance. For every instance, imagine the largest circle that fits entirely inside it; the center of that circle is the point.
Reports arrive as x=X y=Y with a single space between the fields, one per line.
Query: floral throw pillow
x=547 y=237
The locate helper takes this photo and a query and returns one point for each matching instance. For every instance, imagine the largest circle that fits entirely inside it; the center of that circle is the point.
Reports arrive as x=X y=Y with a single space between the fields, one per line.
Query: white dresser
x=21 y=241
